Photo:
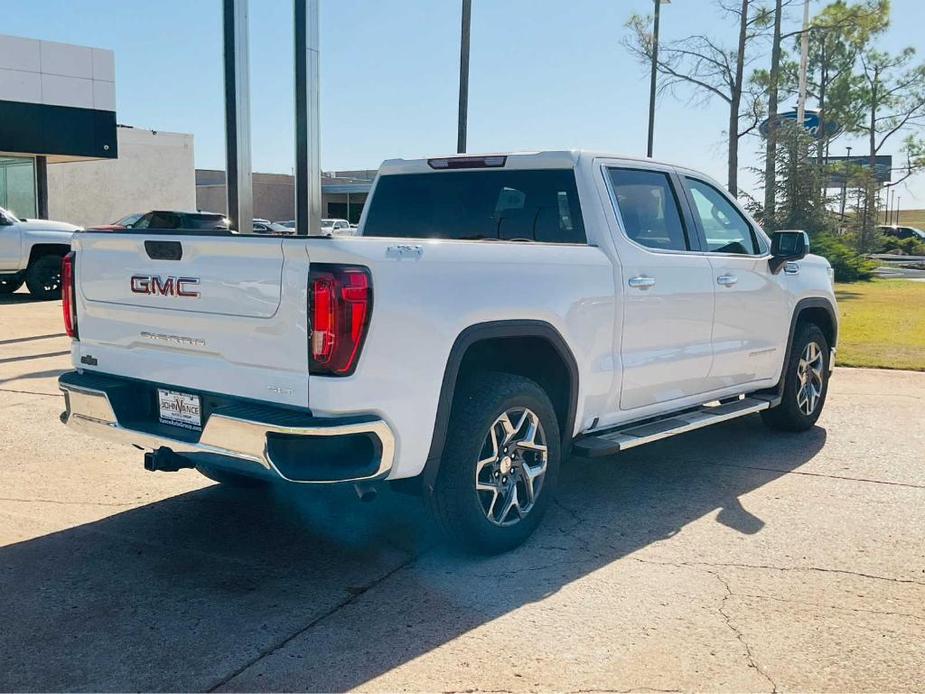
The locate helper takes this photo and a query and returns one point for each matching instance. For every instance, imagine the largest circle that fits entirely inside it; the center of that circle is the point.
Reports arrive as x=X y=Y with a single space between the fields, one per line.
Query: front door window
x=724 y=227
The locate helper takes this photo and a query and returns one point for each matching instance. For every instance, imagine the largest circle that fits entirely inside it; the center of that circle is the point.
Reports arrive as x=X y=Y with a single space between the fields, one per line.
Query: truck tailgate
x=227 y=316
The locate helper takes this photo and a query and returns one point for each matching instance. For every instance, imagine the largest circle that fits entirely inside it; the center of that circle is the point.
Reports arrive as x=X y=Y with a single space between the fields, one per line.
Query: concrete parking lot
x=729 y=559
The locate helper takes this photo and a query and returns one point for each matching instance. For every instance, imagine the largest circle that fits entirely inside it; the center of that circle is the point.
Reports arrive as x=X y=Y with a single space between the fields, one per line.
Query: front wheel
x=806 y=382
x=10 y=285
x=43 y=277
x=500 y=463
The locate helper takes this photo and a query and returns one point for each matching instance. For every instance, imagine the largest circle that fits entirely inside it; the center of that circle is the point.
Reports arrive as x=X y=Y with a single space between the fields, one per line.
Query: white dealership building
x=62 y=154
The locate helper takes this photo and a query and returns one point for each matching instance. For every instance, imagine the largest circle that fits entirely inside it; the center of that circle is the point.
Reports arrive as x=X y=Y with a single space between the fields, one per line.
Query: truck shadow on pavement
x=295 y=589
x=22 y=297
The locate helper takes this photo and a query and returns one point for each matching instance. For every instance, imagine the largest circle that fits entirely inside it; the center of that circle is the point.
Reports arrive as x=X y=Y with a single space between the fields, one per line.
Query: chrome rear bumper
x=90 y=410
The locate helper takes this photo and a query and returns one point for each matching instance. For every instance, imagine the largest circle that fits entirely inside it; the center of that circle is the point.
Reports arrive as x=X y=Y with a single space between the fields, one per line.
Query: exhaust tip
x=165 y=460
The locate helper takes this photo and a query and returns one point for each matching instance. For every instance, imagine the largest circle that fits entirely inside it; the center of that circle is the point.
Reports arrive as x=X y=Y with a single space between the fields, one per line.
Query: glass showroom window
x=17 y=185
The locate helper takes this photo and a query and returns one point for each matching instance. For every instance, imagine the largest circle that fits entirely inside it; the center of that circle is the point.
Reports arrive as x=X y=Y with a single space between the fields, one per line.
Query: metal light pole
x=237 y=116
x=898 y=198
x=844 y=185
x=804 y=63
x=307 y=140
x=462 y=124
x=653 y=76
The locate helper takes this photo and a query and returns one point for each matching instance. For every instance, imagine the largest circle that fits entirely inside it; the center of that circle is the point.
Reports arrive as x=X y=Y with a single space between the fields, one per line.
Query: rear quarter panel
x=422 y=301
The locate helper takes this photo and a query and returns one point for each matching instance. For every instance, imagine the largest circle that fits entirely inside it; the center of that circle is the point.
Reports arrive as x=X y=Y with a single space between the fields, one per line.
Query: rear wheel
x=806 y=382
x=9 y=285
x=500 y=463
x=43 y=277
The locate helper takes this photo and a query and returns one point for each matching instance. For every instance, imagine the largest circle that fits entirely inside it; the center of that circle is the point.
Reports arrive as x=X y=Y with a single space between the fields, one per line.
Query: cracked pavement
x=730 y=559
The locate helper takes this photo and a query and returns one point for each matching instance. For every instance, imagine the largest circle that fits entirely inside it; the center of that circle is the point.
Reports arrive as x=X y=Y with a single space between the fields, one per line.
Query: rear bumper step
x=296 y=448
x=632 y=435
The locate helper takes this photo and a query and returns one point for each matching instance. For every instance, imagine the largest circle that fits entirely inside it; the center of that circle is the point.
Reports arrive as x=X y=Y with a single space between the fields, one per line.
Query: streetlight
x=844 y=184
x=652 y=77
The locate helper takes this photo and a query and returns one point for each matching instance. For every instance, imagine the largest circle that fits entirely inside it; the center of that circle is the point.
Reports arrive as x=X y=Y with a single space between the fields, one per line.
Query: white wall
x=155 y=170
x=57 y=74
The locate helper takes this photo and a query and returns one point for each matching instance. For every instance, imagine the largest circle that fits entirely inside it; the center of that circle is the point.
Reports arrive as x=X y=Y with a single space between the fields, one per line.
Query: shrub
x=849 y=265
x=891 y=244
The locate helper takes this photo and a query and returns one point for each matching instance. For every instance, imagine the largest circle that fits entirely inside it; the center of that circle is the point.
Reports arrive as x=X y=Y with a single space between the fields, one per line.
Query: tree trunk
x=734 y=103
x=770 y=156
x=870 y=202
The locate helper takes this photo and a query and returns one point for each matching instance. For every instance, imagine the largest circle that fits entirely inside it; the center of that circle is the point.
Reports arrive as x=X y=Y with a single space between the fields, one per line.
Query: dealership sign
x=839 y=169
x=812 y=122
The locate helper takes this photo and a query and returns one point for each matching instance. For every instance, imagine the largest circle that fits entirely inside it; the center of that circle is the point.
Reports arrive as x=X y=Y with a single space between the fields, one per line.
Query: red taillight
x=340 y=304
x=68 y=298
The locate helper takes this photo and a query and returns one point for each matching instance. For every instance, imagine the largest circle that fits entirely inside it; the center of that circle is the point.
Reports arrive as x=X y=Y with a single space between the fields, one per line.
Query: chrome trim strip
x=90 y=411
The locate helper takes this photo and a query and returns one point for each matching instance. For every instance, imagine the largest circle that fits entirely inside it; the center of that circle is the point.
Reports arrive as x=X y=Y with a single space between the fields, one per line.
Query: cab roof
x=552 y=159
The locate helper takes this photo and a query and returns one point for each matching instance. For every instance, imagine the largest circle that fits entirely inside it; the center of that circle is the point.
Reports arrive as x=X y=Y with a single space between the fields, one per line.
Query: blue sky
x=544 y=75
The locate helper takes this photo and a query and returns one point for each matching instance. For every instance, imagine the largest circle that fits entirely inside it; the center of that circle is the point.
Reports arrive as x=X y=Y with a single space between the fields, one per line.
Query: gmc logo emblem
x=165 y=286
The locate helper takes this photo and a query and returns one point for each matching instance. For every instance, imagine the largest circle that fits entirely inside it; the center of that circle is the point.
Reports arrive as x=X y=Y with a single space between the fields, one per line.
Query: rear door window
x=649 y=209
x=509 y=205
x=204 y=221
x=164 y=220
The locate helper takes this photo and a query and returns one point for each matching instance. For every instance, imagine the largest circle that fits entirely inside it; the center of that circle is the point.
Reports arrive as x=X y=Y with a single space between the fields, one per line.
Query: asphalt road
x=729 y=559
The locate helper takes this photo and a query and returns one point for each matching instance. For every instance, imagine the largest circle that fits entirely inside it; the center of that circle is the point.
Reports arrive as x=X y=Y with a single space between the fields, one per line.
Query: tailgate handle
x=164 y=250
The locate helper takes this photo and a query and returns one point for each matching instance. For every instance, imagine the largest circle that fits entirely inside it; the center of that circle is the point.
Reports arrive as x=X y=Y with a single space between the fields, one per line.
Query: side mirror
x=787 y=246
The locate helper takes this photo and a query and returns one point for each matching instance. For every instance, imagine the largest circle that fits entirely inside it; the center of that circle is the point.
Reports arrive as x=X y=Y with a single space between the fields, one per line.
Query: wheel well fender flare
x=813 y=302
x=42 y=249
x=494 y=330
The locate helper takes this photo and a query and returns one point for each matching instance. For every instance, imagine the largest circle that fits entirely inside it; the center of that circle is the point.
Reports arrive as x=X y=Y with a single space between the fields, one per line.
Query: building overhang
x=56 y=100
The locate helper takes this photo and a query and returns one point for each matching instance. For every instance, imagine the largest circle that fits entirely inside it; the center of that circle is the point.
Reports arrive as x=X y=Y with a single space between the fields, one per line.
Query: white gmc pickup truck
x=493 y=314
x=31 y=251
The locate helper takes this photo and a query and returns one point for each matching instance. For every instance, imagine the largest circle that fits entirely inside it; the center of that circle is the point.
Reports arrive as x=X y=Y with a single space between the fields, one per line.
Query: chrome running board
x=613 y=441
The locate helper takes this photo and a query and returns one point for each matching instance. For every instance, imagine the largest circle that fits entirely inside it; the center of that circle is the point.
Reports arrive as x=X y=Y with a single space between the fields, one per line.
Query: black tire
x=8 y=286
x=460 y=509
x=790 y=415
x=228 y=478
x=43 y=277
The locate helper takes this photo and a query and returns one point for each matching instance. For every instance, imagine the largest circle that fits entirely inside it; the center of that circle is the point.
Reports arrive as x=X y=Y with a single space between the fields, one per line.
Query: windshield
x=513 y=205
x=128 y=220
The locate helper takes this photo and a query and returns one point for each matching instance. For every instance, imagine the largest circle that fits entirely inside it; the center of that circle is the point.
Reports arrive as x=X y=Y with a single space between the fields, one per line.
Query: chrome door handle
x=641 y=282
x=727 y=280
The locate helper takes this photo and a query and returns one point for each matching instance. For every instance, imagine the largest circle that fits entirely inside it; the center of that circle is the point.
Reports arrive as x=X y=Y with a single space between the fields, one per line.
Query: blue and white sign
x=812 y=122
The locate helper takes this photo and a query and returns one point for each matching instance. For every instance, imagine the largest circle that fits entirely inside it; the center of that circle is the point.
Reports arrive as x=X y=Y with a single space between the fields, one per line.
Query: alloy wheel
x=512 y=466
x=810 y=377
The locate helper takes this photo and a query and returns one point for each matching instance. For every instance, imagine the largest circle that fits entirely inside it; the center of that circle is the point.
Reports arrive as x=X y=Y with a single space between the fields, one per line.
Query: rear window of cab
x=506 y=205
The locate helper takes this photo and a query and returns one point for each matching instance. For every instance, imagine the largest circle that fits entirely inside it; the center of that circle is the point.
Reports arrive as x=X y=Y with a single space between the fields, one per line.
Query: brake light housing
x=340 y=302
x=68 y=295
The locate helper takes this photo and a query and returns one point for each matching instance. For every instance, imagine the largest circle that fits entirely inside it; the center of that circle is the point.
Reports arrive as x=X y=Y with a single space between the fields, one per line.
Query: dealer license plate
x=179 y=409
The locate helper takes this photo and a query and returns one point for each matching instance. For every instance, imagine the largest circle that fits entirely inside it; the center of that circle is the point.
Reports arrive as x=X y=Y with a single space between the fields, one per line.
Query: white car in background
x=336 y=227
x=31 y=252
